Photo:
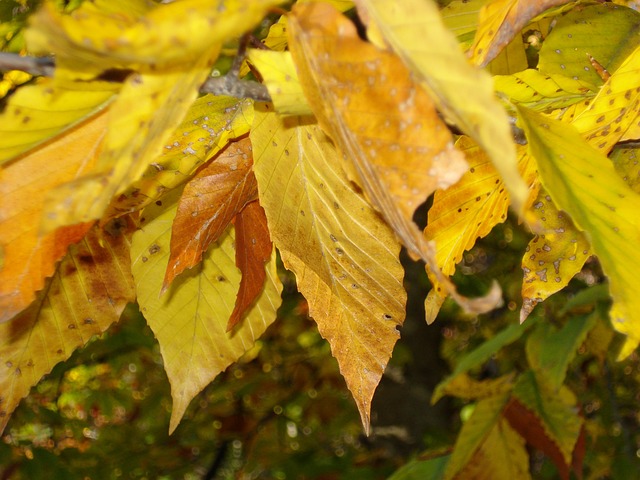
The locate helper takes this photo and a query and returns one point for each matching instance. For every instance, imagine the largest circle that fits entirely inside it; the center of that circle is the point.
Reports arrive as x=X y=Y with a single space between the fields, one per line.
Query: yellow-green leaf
x=45 y=109
x=87 y=293
x=462 y=92
x=625 y=161
x=190 y=319
x=554 y=255
x=584 y=183
x=279 y=74
x=344 y=256
x=464 y=386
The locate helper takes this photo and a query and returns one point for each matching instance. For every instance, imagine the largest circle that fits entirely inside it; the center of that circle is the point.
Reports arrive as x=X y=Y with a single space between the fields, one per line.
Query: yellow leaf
x=280 y=77
x=552 y=257
x=209 y=125
x=625 y=161
x=583 y=183
x=88 y=292
x=500 y=21
x=385 y=124
x=616 y=107
x=462 y=92
x=45 y=109
x=344 y=256
x=190 y=319
x=29 y=255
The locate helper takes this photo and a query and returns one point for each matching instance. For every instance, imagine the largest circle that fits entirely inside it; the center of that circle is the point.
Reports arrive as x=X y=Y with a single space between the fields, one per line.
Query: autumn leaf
x=190 y=319
x=29 y=255
x=209 y=202
x=253 y=250
x=583 y=182
x=344 y=256
x=87 y=293
x=500 y=21
x=462 y=92
x=625 y=161
x=379 y=124
x=209 y=125
x=553 y=256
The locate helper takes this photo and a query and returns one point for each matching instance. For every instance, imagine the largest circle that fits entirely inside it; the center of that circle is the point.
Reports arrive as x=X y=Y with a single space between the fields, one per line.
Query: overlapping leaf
x=584 y=183
x=45 y=109
x=344 y=256
x=87 y=293
x=190 y=319
x=553 y=256
x=29 y=255
x=463 y=93
x=209 y=202
x=625 y=161
x=500 y=21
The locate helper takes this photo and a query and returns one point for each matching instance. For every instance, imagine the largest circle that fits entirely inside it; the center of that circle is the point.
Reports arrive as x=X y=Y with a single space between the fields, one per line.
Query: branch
x=229 y=85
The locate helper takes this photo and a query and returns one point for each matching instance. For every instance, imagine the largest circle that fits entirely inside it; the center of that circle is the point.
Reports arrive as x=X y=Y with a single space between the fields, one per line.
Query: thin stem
x=33 y=65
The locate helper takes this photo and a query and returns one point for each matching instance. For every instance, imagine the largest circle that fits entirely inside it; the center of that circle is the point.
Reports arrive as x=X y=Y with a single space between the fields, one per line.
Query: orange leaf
x=386 y=124
x=209 y=202
x=253 y=250
x=30 y=257
x=87 y=293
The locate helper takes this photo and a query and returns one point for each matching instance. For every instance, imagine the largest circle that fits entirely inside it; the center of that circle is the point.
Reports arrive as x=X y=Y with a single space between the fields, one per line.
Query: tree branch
x=229 y=85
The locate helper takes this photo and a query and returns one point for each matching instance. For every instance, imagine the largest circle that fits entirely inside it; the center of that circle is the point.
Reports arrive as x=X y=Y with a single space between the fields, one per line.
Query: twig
x=229 y=85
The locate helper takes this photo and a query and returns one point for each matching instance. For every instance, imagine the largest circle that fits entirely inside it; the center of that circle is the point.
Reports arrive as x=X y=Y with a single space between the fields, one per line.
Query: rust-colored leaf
x=253 y=250
x=29 y=256
x=209 y=202
x=385 y=123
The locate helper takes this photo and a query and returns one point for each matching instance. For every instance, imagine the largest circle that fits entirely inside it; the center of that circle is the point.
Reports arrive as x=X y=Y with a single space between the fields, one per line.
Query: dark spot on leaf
x=144 y=259
x=72 y=326
x=336 y=206
x=220 y=278
x=88 y=321
x=26 y=119
x=85 y=259
x=159 y=203
x=386 y=316
x=155 y=248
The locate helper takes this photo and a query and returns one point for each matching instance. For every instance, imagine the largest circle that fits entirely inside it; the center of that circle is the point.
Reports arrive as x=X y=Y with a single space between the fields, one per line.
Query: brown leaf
x=253 y=250
x=209 y=202
x=384 y=122
x=30 y=257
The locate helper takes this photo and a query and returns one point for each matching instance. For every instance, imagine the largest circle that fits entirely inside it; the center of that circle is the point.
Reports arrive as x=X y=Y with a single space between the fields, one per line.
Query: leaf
x=379 y=124
x=209 y=125
x=467 y=211
x=475 y=431
x=502 y=455
x=29 y=255
x=344 y=256
x=500 y=21
x=583 y=183
x=553 y=256
x=605 y=31
x=190 y=320
x=209 y=202
x=481 y=354
x=558 y=418
x=279 y=74
x=462 y=92
x=87 y=293
x=463 y=386
x=432 y=468
x=46 y=109
x=461 y=18
x=511 y=59
x=542 y=92
x=253 y=250
x=615 y=109
x=625 y=161
x=549 y=352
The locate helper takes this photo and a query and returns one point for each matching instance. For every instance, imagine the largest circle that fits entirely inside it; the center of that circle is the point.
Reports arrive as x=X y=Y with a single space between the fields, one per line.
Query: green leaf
x=433 y=469
x=584 y=183
x=481 y=354
x=190 y=319
x=549 y=351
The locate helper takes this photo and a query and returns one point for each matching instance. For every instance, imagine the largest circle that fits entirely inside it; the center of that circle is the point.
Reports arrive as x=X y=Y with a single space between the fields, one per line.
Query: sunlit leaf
x=500 y=21
x=344 y=256
x=553 y=256
x=209 y=202
x=38 y=112
x=605 y=31
x=190 y=319
x=462 y=92
x=625 y=160
x=210 y=123
x=486 y=415
x=87 y=293
x=584 y=183
x=461 y=18
x=279 y=74
x=30 y=255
